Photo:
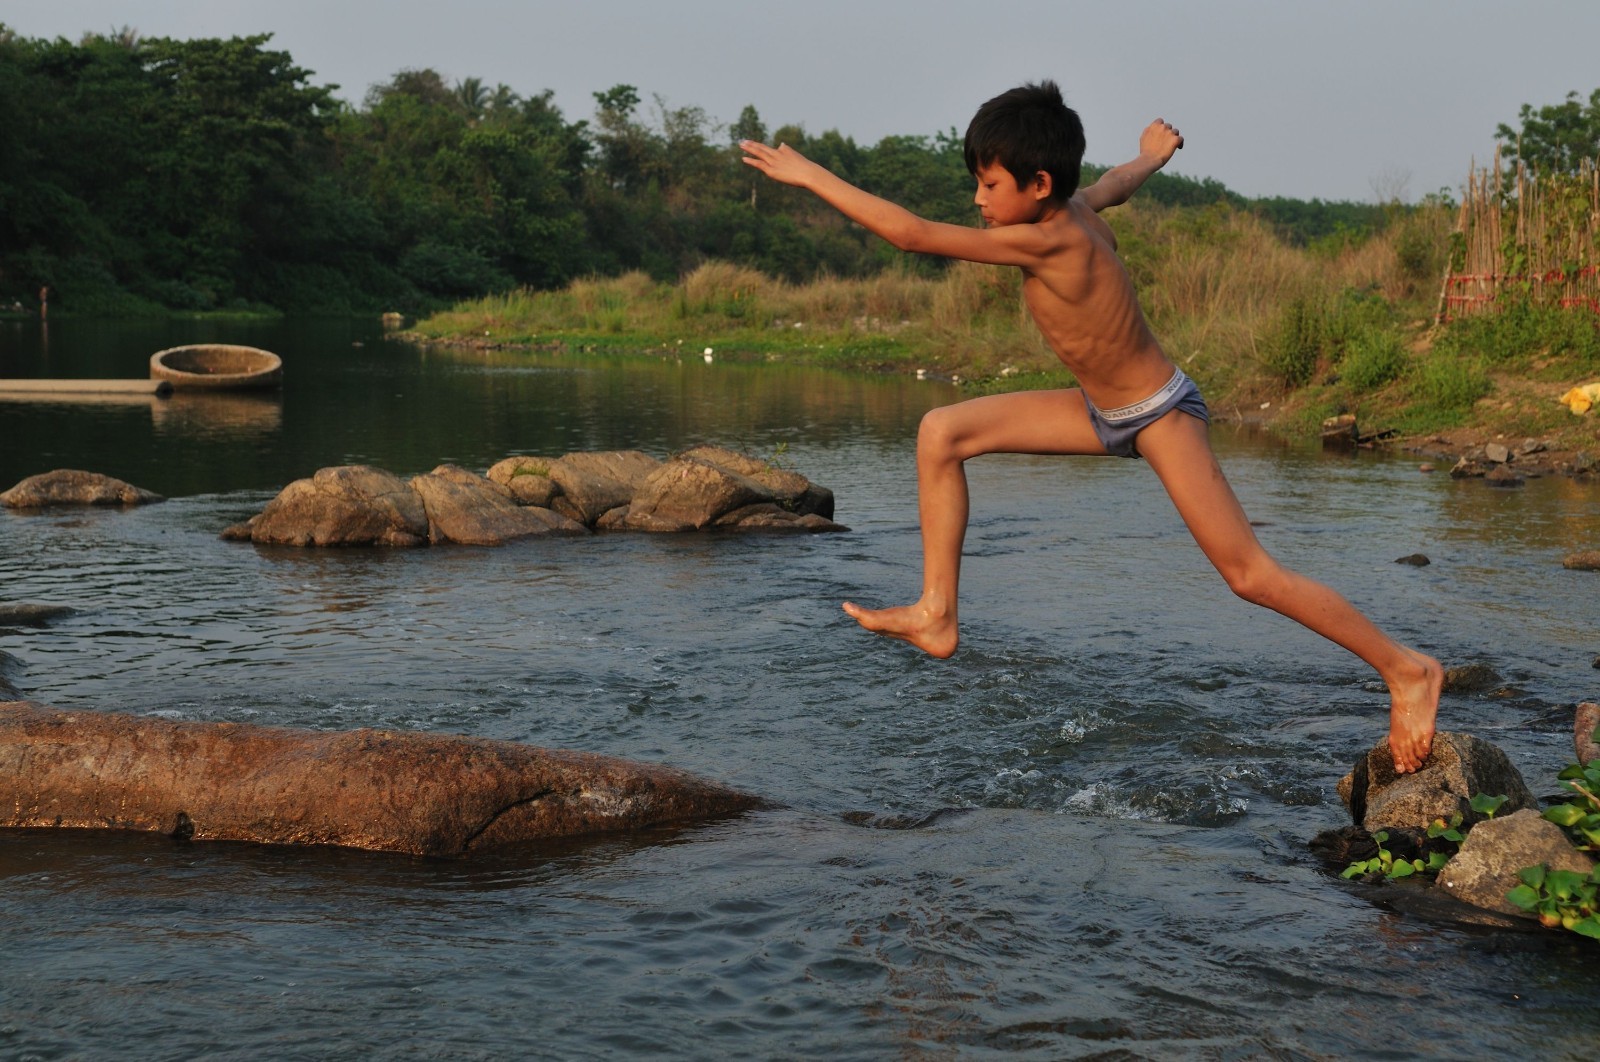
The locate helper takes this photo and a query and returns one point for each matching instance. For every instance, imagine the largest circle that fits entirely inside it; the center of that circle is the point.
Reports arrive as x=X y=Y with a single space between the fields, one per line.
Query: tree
x=1556 y=138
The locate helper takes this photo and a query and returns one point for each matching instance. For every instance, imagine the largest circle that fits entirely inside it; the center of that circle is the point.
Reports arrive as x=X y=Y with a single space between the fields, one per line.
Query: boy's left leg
x=1178 y=448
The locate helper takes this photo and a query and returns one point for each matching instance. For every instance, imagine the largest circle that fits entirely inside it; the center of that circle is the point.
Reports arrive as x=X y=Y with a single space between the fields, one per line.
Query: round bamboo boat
x=216 y=367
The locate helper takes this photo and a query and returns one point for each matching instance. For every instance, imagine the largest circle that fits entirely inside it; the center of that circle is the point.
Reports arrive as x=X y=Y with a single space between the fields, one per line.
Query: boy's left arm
x=1117 y=185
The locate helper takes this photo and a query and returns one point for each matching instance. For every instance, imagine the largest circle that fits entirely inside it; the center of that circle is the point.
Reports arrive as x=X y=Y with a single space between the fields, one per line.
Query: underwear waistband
x=1170 y=388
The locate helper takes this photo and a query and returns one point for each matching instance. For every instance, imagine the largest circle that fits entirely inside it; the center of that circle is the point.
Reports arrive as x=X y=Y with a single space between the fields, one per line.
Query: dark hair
x=1029 y=129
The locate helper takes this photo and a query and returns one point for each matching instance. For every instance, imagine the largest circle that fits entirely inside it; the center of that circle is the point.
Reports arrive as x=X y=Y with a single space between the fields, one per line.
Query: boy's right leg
x=1026 y=422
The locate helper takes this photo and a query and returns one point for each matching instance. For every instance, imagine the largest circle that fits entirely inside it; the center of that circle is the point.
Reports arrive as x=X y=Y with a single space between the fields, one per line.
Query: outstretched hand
x=782 y=163
x=1158 y=141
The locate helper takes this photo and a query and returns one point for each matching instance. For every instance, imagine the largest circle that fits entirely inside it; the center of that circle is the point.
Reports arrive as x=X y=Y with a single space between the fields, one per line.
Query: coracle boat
x=216 y=366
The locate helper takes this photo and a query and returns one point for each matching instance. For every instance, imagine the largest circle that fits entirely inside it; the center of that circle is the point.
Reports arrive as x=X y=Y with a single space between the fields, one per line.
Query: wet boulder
x=475 y=511
x=527 y=478
x=589 y=485
x=416 y=793
x=349 y=505
x=1586 y=560
x=1486 y=867
x=70 y=486
x=1459 y=768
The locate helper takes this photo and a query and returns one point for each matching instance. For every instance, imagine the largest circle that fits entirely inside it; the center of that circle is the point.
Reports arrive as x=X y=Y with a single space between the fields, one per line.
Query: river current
x=1082 y=836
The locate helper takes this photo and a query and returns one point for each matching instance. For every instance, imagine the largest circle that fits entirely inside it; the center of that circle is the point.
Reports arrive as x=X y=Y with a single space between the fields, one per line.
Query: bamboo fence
x=1519 y=233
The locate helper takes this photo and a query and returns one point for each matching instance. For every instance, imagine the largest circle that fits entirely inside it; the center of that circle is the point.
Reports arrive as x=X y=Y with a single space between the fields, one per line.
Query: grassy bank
x=1275 y=333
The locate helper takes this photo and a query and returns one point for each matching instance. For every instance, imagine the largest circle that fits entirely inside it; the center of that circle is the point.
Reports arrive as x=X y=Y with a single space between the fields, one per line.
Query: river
x=1082 y=836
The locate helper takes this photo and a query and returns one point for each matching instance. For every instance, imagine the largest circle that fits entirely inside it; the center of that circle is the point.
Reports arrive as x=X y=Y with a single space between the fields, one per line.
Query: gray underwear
x=1117 y=429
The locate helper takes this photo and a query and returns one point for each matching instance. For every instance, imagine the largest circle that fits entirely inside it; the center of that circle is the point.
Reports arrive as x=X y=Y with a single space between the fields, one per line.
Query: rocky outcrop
x=1585 y=560
x=70 y=486
x=1486 y=867
x=707 y=488
x=421 y=794
x=1459 y=768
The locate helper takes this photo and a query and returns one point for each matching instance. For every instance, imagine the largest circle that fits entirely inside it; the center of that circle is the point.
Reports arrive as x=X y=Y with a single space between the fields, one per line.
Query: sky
x=1338 y=99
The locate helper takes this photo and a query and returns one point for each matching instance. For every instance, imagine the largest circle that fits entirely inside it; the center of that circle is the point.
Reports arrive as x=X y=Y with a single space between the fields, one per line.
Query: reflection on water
x=206 y=415
x=1101 y=801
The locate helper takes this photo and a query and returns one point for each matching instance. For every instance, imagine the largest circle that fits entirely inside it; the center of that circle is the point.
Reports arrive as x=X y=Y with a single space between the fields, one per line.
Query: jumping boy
x=1025 y=147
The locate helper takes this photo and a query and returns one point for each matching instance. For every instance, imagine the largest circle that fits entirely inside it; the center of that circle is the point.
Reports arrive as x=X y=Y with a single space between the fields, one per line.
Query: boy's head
x=1027 y=130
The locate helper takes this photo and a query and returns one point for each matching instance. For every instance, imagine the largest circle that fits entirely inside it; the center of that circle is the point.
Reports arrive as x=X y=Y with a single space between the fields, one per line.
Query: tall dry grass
x=1215 y=284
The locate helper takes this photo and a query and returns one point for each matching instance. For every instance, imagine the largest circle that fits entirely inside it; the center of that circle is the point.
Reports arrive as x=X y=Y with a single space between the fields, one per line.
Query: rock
x=1467 y=467
x=421 y=794
x=1460 y=767
x=1416 y=560
x=468 y=509
x=592 y=484
x=1532 y=446
x=769 y=516
x=686 y=495
x=1501 y=476
x=1584 y=723
x=1470 y=678
x=528 y=479
x=1425 y=467
x=68 y=486
x=614 y=491
x=28 y=614
x=1497 y=452
x=1486 y=867
x=1583 y=561
x=349 y=505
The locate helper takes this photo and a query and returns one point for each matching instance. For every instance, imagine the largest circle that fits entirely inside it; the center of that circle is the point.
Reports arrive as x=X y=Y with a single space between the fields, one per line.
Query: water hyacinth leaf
x=1484 y=804
x=1402 y=869
x=1571 y=771
x=1437 y=862
x=1563 y=884
x=1533 y=876
x=1523 y=896
x=1564 y=814
x=1589 y=927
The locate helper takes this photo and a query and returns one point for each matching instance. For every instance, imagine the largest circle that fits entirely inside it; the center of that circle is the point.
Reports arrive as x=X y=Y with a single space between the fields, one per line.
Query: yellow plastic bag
x=1583 y=398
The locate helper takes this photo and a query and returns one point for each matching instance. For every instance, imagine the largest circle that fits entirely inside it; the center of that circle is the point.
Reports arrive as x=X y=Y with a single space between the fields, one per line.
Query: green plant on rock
x=1392 y=868
x=1487 y=805
x=1563 y=898
x=1580 y=817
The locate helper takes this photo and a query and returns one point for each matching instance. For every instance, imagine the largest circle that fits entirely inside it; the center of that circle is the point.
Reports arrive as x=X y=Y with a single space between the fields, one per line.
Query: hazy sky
x=1336 y=99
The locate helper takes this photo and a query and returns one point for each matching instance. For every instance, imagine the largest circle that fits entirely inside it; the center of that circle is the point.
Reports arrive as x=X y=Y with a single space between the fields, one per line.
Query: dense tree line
x=142 y=174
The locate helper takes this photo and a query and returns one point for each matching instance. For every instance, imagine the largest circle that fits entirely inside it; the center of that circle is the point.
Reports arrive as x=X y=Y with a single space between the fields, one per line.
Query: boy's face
x=1000 y=200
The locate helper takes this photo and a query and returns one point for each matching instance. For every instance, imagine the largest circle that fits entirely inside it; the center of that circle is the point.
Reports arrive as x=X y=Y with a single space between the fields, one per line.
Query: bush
x=1293 y=352
x=1372 y=358
x=1451 y=383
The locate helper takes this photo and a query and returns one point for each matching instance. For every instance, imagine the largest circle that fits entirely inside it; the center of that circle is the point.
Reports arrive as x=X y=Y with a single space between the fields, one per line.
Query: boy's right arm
x=1117 y=185
x=1016 y=245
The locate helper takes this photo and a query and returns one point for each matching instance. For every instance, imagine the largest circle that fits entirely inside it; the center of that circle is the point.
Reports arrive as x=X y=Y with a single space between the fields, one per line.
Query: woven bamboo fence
x=1523 y=235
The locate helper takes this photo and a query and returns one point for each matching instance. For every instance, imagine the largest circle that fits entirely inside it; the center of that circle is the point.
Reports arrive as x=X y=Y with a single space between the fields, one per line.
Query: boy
x=1025 y=148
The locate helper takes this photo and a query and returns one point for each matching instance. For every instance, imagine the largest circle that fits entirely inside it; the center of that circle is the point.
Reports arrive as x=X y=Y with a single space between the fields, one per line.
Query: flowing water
x=1083 y=836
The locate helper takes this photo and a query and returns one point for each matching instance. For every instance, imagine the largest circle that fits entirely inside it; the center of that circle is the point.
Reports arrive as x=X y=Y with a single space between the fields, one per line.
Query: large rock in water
x=707 y=488
x=70 y=486
x=1486 y=867
x=1459 y=768
x=422 y=794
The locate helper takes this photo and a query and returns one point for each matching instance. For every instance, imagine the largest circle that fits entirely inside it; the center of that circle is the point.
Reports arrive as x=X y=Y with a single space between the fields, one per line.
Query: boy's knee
x=937 y=432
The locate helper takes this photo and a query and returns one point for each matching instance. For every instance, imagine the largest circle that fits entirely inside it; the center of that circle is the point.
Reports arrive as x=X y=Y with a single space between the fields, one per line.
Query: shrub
x=1372 y=358
x=1293 y=352
x=1451 y=383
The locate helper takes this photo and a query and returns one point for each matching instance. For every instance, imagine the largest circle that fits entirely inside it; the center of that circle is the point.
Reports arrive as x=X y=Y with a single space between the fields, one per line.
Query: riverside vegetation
x=156 y=176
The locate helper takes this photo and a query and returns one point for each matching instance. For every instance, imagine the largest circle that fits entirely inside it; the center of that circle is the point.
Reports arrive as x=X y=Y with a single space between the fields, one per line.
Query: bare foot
x=1413 y=707
x=929 y=629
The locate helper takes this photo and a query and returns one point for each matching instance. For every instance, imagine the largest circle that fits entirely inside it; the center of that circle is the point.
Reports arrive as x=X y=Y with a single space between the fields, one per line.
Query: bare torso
x=1084 y=304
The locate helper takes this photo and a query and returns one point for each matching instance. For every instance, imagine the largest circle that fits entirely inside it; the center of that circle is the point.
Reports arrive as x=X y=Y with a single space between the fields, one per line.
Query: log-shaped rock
x=422 y=794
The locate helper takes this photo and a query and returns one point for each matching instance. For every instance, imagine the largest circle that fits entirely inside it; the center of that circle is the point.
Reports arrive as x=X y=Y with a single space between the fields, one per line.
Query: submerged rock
x=421 y=794
x=1587 y=560
x=31 y=614
x=1459 y=768
x=70 y=486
